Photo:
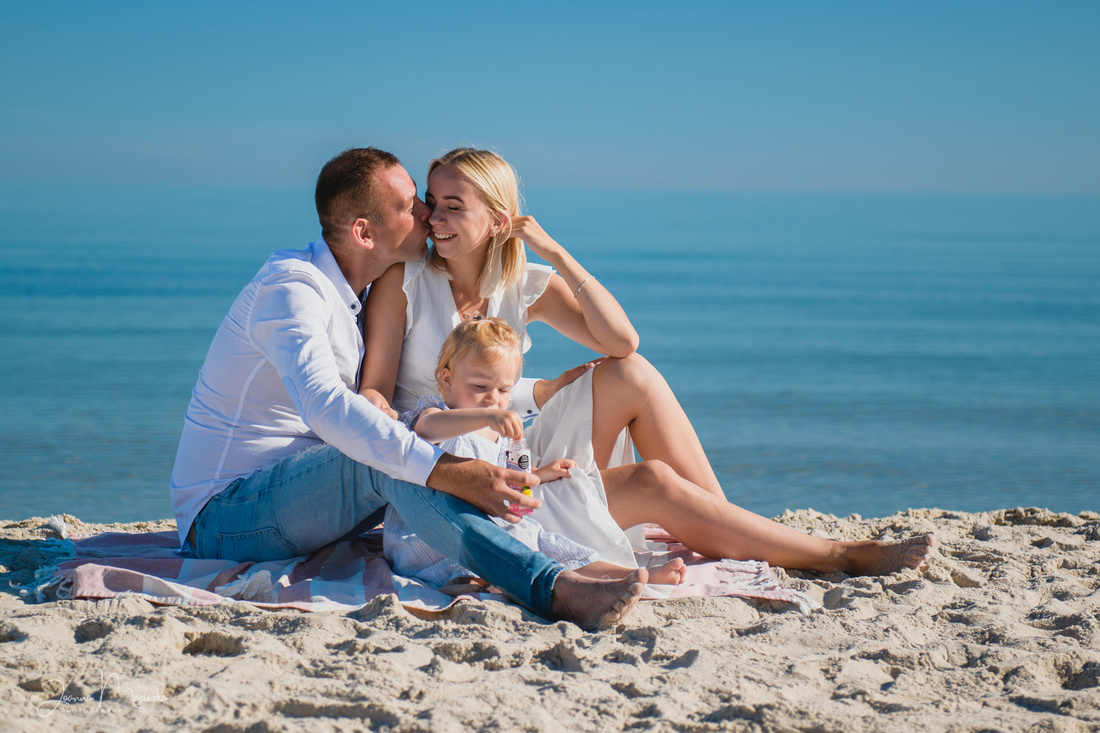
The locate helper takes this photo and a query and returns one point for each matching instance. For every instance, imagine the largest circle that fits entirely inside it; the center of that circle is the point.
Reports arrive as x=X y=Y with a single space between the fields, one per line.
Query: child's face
x=480 y=385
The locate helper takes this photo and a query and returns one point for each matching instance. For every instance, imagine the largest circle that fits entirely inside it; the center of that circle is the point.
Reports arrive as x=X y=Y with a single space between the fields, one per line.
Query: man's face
x=401 y=234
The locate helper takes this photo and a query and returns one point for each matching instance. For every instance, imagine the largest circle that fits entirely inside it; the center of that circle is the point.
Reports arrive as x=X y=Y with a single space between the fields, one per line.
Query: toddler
x=479 y=364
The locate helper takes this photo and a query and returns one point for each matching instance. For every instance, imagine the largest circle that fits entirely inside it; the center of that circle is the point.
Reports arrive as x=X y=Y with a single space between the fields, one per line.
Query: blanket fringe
x=55 y=551
x=57 y=524
x=806 y=604
x=763 y=579
x=46 y=578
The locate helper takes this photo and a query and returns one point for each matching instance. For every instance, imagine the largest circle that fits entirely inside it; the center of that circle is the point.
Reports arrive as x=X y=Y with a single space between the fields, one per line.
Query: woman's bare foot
x=671 y=573
x=883 y=558
x=595 y=604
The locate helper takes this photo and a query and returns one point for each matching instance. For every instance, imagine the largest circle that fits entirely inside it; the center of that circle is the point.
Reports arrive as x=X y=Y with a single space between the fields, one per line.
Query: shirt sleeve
x=523 y=398
x=290 y=327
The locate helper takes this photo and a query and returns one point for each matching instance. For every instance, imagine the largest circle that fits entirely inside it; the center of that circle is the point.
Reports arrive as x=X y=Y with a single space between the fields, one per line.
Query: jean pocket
x=257 y=545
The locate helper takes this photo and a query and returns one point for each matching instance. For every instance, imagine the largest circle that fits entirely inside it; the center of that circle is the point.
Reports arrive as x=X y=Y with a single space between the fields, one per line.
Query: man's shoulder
x=290 y=259
x=293 y=263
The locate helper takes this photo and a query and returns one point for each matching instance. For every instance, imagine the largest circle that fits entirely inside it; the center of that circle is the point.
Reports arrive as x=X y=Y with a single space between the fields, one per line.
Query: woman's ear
x=502 y=221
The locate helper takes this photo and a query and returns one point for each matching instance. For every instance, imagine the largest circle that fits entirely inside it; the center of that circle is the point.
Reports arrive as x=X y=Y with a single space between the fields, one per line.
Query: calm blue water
x=851 y=354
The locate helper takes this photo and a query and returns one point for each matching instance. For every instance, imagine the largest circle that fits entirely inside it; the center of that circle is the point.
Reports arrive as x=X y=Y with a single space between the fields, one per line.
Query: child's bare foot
x=595 y=604
x=883 y=558
x=671 y=573
x=466 y=586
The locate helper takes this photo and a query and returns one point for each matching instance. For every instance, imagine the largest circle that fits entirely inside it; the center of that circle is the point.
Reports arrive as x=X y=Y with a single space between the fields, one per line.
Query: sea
x=854 y=354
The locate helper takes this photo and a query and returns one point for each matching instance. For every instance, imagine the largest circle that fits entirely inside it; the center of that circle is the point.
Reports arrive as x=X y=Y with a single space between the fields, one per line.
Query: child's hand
x=555 y=470
x=506 y=423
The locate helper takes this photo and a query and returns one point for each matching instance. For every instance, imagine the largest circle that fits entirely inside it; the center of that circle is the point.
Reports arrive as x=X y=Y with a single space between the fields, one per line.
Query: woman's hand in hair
x=535 y=237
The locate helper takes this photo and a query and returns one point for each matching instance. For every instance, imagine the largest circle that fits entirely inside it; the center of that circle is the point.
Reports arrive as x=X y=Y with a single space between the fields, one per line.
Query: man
x=280 y=456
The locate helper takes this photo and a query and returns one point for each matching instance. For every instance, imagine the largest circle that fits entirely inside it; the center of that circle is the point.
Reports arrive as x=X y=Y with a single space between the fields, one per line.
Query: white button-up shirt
x=280 y=377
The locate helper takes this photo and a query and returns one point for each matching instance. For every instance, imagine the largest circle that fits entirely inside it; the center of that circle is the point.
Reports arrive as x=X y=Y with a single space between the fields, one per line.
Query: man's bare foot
x=595 y=604
x=883 y=558
x=671 y=573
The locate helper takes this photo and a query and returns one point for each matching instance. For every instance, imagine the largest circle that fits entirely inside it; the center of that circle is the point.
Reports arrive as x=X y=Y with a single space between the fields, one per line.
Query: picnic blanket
x=342 y=576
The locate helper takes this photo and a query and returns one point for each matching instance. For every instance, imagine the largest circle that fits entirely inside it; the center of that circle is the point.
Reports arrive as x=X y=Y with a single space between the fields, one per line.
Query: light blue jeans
x=318 y=496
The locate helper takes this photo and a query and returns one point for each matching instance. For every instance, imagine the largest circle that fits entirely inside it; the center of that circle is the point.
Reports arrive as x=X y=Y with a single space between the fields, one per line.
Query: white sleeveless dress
x=575 y=507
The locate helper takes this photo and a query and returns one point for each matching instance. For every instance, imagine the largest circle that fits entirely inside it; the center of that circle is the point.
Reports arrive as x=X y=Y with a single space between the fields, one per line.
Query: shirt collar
x=322 y=258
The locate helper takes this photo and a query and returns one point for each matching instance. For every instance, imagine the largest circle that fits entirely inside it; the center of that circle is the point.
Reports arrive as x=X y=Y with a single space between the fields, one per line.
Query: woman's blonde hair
x=484 y=340
x=495 y=180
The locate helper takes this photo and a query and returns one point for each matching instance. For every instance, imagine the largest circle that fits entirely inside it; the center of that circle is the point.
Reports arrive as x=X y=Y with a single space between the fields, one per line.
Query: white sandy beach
x=1000 y=631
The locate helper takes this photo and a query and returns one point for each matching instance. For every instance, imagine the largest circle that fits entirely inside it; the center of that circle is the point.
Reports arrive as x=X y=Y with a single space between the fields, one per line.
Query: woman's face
x=460 y=221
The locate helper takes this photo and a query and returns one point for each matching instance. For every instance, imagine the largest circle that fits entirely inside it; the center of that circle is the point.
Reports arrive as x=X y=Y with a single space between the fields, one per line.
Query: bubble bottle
x=518 y=458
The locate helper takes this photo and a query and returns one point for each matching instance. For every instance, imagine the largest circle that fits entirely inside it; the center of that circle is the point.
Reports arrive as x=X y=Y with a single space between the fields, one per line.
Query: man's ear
x=362 y=233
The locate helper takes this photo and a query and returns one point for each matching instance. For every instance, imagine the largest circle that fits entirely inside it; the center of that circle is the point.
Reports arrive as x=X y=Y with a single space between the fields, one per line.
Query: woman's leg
x=631 y=393
x=652 y=492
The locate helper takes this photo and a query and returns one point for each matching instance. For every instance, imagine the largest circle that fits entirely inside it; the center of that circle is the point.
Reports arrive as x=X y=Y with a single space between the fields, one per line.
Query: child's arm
x=435 y=425
x=554 y=470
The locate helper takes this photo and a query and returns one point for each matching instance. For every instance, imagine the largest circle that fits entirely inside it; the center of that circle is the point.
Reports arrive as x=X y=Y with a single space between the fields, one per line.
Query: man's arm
x=289 y=326
x=483 y=485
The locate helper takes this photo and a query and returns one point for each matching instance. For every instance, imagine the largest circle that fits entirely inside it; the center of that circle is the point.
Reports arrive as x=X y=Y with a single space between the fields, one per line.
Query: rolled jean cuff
x=542 y=590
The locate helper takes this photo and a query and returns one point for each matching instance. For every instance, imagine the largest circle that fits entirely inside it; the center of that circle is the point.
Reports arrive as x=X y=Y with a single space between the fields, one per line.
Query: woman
x=478 y=268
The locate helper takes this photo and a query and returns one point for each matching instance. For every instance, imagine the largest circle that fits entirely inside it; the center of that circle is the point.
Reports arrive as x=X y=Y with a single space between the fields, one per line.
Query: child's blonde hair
x=495 y=180
x=483 y=340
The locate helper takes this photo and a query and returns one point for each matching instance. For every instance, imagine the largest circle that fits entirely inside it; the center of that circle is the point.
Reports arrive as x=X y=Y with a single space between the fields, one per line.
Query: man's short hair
x=346 y=189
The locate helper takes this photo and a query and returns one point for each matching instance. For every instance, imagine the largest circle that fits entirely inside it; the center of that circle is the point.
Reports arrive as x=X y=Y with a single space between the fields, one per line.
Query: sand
x=1000 y=631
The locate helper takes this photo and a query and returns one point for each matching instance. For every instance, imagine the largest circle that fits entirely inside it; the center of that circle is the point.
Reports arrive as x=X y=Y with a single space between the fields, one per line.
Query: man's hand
x=546 y=388
x=483 y=485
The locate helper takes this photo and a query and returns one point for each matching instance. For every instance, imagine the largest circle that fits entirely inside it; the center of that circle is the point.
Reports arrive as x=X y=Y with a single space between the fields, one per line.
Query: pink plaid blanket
x=340 y=577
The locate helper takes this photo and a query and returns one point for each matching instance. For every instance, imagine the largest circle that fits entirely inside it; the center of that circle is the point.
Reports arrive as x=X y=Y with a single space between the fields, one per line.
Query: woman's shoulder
x=536 y=279
x=414 y=270
x=426 y=289
x=538 y=270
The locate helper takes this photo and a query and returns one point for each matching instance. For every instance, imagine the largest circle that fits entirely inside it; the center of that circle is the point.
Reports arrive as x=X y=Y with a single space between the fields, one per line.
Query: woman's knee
x=656 y=478
x=633 y=371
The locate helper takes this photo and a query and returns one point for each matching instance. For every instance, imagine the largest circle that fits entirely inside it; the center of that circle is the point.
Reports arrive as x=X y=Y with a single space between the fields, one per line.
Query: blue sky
x=855 y=96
